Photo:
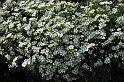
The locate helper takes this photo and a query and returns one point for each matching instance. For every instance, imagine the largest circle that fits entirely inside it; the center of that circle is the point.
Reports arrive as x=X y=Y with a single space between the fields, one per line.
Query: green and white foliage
x=62 y=39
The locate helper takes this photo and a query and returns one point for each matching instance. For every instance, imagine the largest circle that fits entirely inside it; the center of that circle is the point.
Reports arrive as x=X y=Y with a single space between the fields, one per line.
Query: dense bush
x=61 y=39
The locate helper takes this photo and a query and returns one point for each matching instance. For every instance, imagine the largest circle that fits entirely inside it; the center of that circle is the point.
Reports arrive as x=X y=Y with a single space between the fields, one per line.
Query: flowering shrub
x=61 y=39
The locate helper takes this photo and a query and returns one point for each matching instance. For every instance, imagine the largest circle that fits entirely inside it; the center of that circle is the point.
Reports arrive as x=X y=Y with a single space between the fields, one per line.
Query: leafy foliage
x=61 y=39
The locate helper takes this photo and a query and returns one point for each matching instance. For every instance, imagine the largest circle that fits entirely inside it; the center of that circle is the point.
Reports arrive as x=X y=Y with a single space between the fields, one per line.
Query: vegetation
x=59 y=39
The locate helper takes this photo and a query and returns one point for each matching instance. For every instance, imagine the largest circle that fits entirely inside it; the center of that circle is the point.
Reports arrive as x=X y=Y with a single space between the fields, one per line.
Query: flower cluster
x=61 y=39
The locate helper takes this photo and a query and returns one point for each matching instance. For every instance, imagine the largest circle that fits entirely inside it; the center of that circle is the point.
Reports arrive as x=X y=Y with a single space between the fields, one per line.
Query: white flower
x=42 y=51
x=113 y=48
x=85 y=66
x=71 y=47
x=102 y=51
x=1 y=11
x=92 y=11
x=77 y=54
x=14 y=62
x=21 y=44
x=75 y=70
x=27 y=26
x=91 y=45
x=11 y=25
x=40 y=30
x=41 y=5
x=117 y=33
x=26 y=62
x=114 y=10
x=90 y=51
x=107 y=8
x=32 y=19
x=29 y=10
x=110 y=55
x=91 y=4
x=66 y=76
x=69 y=25
x=70 y=63
x=9 y=35
x=16 y=14
x=101 y=25
x=40 y=24
x=98 y=63
x=107 y=60
x=24 y=18
x=8 y=57
x=115 y=55
x=60 y=71
x=16 y=9
x=119 y=29
x=120 y=19
x=19 y=26
x=36 y=49
x=105 y=3
x=42 y=44
x=96 y=17
x=41 y=69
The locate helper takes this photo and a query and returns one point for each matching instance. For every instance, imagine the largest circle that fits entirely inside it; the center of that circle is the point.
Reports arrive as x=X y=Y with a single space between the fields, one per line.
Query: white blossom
x=107 y=60
x=26 y=62
x=85 y=66
x=114 y=10
x=92 y=11
x=105 y=3
x=102 y=51
x=71 y=47
x=98 y=63
x=14 y=62
x=108 y=8
x=9 y=35
x=8 y=57
x=27 y=26
x=24 y=18
x=11 y=25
